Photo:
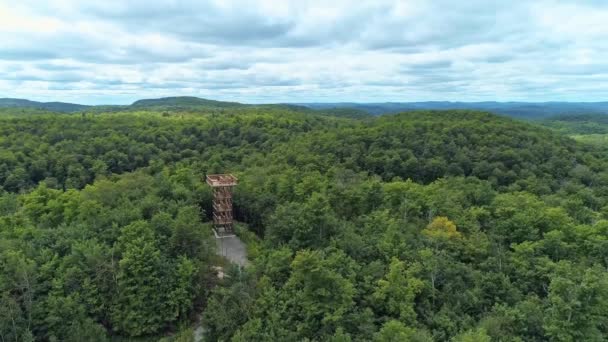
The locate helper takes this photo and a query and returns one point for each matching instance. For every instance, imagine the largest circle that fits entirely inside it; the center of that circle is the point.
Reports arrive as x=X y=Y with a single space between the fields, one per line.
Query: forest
x=452 y=225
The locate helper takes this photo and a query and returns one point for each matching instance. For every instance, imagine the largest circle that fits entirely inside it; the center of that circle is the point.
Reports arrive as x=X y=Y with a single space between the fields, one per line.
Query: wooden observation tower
x=222 y=202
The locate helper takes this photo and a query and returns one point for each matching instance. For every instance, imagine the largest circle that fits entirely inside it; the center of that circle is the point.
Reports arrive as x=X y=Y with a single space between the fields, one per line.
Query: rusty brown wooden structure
x=222 y=202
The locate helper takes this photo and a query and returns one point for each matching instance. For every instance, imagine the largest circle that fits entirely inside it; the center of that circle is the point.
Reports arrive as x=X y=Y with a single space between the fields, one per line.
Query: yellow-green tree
x=442 y=228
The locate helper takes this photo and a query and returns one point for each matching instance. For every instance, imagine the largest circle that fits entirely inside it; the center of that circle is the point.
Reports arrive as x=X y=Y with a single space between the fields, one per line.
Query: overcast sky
x=107 y=51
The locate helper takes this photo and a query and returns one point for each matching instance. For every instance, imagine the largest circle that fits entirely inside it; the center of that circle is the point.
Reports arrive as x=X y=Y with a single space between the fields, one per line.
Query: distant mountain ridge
x=50 y=106
x=523 y=110
x=175 y=101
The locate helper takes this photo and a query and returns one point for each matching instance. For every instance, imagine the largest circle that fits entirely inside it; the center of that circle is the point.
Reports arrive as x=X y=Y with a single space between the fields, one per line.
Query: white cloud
x=307 y=50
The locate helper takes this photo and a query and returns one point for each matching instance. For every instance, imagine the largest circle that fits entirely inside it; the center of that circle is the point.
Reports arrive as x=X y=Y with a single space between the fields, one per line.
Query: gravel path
x=233 y=249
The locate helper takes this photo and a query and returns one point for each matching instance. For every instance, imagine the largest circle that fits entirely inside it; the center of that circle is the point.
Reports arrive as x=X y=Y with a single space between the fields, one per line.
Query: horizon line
x=311 y=101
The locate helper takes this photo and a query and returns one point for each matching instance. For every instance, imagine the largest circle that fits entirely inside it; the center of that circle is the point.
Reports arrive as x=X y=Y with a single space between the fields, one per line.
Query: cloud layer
x=296 y=51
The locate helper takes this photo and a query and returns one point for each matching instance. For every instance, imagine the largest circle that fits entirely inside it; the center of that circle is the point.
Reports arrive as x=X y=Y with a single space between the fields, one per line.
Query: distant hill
x=522 y=110
x=184 y=101
x=175 y=103
x=50 y=106
x=346 y=112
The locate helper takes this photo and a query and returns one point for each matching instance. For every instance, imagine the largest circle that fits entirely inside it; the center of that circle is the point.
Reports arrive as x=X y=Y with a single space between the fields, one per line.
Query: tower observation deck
x=222 y=202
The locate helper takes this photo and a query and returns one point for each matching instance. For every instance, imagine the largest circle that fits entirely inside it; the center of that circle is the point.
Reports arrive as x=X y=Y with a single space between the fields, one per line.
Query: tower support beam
x=222 y=185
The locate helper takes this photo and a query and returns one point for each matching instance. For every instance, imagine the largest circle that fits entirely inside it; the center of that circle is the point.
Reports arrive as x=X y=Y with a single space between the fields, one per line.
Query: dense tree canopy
x=421 y=226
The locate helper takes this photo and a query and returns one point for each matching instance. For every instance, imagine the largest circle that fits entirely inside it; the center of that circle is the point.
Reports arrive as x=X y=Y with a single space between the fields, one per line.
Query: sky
x=115 y=52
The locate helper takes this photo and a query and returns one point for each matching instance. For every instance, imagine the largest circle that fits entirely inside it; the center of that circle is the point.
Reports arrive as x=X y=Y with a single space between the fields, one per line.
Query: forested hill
x=579 y=124
x=588 y=129
x=419 y=226
x=184 y=101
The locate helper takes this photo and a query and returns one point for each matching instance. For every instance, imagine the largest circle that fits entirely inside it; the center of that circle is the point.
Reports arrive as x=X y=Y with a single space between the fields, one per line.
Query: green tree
x=318 y=295
x=397 y=291
x=139 y=303
x=395 y=331
x=477 y=335
x=577 y=304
